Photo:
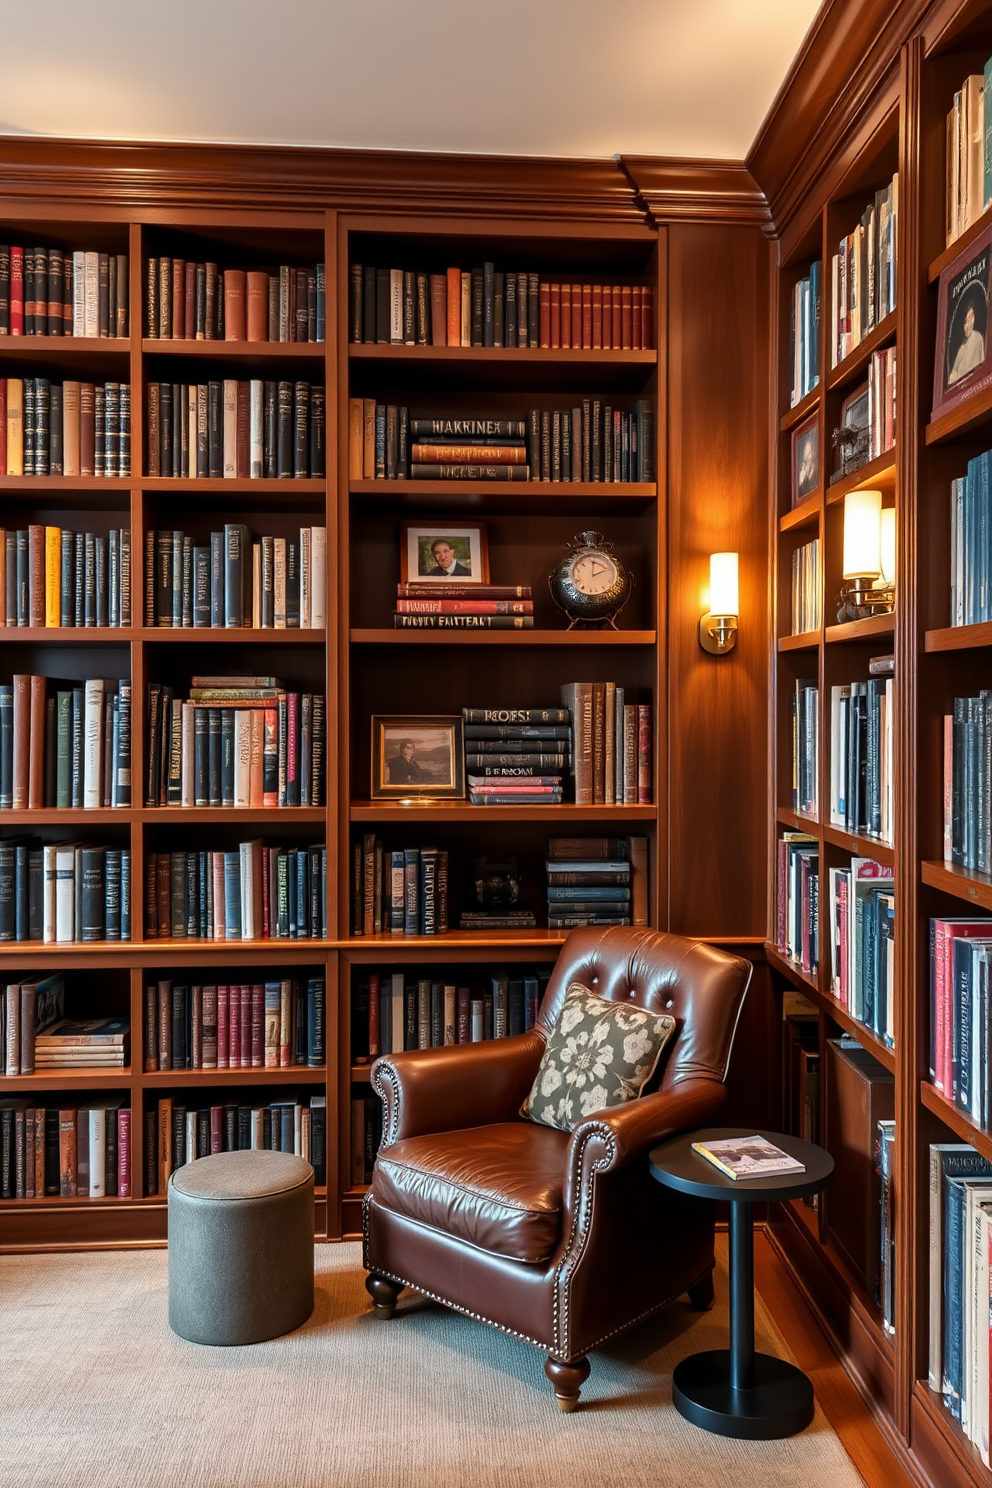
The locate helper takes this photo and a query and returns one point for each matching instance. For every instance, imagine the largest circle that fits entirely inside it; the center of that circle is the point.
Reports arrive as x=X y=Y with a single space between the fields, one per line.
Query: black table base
x=779 y=1402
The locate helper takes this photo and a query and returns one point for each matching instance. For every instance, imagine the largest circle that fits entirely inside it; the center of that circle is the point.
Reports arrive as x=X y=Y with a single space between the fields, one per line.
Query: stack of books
x=453 y=606
x=186 y=301
x=66 y=1151
x=26 y=1009
x=86 y=1043
x=468 y=449
x=959 y=1014
x=69 y=749
x=52 y=576
x=70 y=428
x=596 y=881
x=61 y=292
x=516 y=756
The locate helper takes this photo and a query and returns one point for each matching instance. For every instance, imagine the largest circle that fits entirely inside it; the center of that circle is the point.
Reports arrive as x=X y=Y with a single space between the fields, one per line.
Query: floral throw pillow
x=600 y=1054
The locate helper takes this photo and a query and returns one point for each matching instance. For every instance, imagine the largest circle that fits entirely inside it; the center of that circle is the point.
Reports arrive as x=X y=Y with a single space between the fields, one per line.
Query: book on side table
x=748 y=1157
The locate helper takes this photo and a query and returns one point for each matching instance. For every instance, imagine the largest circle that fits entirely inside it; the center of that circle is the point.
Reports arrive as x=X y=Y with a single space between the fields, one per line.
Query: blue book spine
x=302 y=894
x=232 y=895
x=411 y=895
x=313 y=891
x=396 y=902
x=954 y=1200
x=961 y=1023
x=125 y=893
x=615 y=893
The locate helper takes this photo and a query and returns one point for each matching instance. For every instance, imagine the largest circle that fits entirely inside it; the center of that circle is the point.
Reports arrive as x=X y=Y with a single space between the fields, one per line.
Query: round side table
x=736 y=1392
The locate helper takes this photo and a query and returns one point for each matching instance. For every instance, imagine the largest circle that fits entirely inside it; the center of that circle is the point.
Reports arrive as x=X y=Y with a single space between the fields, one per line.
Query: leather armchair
x=560 y=1239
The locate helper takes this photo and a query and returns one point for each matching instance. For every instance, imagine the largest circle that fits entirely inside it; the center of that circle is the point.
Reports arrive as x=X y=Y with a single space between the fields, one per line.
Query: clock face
x=593 y=573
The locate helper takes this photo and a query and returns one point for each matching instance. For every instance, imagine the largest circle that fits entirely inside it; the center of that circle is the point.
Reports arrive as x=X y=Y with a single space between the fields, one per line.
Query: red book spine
x=554 y=291
x=234 y=1027
x=178 y=299
x=439 y=310
x=16 y=291
x=244 y=1026
x=577 y=296
x=373 y=1015
x=636 y=294
x=647 y=317
x=842 y=940
x=266 y=922
x=544 y=313
x=616 y=341
x=597 y=317
x=587 y=317
x=243 y=431
x=454 y=307
x=564 y=315
x=258 y=1023
x=124 y=1153
x=216 y=1129
x=189 y=304
x=644 y=754
x=626 y=306
x=292 y=748
x=223 y=1027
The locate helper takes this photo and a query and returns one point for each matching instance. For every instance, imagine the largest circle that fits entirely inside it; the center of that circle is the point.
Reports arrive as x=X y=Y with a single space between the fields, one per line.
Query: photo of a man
x=419 y=757
x=446 y=562
x=404 y=768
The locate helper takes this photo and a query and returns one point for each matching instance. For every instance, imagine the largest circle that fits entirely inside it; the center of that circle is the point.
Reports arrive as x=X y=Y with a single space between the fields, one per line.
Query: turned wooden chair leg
x=567 y=1380
x=384 y=1294
x=703 y=1294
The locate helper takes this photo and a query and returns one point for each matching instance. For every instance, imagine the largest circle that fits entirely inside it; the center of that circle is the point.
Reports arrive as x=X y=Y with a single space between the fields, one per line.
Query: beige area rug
x=95 y=1392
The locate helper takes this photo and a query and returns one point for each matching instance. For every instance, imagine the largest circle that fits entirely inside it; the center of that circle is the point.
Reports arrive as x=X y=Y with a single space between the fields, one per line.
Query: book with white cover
x=748 y=1157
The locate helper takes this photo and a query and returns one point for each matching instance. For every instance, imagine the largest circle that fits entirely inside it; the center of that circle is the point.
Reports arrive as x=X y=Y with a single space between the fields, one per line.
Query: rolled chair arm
x=608 y=1139
x=435 y=1090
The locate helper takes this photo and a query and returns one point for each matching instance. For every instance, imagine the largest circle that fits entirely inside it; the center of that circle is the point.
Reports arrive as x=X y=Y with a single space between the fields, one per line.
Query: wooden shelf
x=223 y=635
x=959 y=637
x=361 y=1073
x=931 y=1414
x=197 y=815
x=879 y=474
x=386 y=636
x=800 y=979
x=963 y=1125
x=217 y=486
x=808 y=641
x=603 y=491
x=36 y=485
x=458 y=939
x=71 y=1078
x=149 y=952
x=862 y=630
x=797 y=820
x=965 y=419
x=860 y=844
x=856 y=364
x=72 y=635
x=287 y=351
x=490 y=356
x=960 y=244
x=48 y=348
x=803 y=407
x=805 y=514
x=448 y=811
x=963 y=883
x=831 y=1007
x=297 y=1074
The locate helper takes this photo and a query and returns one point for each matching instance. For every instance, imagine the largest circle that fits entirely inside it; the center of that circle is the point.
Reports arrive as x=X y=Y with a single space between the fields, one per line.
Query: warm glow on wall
x=718 y=628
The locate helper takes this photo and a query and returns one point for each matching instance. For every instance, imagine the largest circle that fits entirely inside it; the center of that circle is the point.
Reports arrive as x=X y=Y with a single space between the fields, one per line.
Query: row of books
x=403 y=890
x=84 y=1043
x=237 y=430
x=959 y=1013
x=27 y=1009
x=177 y=1133
x=488 y=307
x=881 y=401
x=534 y=734
x=971 y=544
x=235 y=579
x=805 y=748
x=58 y=578
x=235 y=746
x=258 y=1025
x=861 y=908
x=429 y=606
x=188 y=301
x=597 y=881
x=968 y=782
x=251 y=892
x=62 y=292
x=69 y=428
x=419 y=1009
x=612 y=744
x=806 y=588
x=862 y=744
x=960 y=1235
x=64 y=893
x=797 y=904
x=863 y=274
x=885 y=1161
x=366 y=1137
x=67 y=1151
x=804 y=334
x=67 y=749
x=969 y=176
x=592 y=441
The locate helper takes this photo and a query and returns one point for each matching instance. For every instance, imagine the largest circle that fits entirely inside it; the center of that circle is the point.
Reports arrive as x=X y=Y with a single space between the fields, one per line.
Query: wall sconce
x=718 y=627
x=869 y=558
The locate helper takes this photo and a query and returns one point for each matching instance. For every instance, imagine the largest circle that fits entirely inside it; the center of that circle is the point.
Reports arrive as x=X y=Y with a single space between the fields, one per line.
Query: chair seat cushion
x=496 y=1187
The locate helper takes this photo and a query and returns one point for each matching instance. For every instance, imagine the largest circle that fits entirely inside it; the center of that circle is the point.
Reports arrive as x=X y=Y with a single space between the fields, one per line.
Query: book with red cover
x=178 y=299
x=626 y=301
x=616 y=339
x=243 y=431
x=465 y=606
x=597 y=317
x=235 y=292
x=577 y=294
x=564 y=316
x=468 y=454
x=587 y=341
x=554 y=322
x=544 y=313
x=439 y=310
x=16 y=291
x=189 y=303
x=635 y=317
x=647 y=317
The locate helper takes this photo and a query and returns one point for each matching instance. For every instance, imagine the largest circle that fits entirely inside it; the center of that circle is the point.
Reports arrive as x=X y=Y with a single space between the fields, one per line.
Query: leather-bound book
x=565 y=315
x=15 y=426
x=454 y=307
x=597 y=317
x=302 y=321
x=56 y=431
x=258 y=306
x=54 y=302
x=103 y=292
x=235 y=289
x=210 y=302
x=616 y=337
x=544 y=306
x=243 y=434
x=164 y=298
x=423 y=311
x=301 y=426
x=153 y=458
x=188 y=331
x=636 y=294
x=123 y=291
x=178 y=331
x=647 y=317
x=87 y=428
x=439 y=310
x=355 y=302
x=70 y=428
x=36 y=574
x=68 y=303
x=554 y=316
x=151 y=298
x=21 y=745
x=4 y=289
x=510 y=309
x=16 y=290
x=626 y=327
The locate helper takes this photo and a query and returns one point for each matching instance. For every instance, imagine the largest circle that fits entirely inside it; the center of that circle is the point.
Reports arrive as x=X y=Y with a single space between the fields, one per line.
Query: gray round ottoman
x=240 y=1247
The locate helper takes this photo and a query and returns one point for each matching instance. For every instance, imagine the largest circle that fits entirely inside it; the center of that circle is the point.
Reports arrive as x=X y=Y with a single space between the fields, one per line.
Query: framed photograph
x=444 y=553
x=418 y=757
x=850 y=440
x=961 y=363
x=805 y=459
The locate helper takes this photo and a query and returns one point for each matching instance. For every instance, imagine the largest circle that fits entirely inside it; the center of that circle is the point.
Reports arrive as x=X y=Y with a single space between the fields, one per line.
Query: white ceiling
x=521 y=77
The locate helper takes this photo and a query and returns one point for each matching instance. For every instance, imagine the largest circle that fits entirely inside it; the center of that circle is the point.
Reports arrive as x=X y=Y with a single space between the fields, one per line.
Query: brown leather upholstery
x=560 y=1238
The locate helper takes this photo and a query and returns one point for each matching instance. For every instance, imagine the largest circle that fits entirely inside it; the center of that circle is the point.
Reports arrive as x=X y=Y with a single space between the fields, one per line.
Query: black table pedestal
x=736 y=1392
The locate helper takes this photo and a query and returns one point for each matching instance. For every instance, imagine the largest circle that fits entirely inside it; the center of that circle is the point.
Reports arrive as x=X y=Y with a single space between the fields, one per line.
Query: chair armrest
x=435 y=1090
x=608 y=1139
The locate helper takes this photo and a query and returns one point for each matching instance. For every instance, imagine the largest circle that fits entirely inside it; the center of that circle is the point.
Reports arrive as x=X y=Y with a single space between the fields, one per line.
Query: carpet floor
x=95 y=1392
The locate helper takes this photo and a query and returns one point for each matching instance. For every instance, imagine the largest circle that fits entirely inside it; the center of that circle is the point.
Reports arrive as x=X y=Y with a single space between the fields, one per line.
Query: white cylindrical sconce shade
x=723 y=584
x=862 y=534
x=888 y=545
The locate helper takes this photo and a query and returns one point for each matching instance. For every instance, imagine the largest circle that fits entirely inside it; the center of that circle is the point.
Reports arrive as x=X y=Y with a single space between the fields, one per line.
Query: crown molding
x=132 y=176
x=685 y=190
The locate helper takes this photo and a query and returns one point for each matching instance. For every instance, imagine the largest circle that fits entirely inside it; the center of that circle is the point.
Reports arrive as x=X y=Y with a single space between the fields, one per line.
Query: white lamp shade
x=862 y=534
x=723 y=584
x=888 y=545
